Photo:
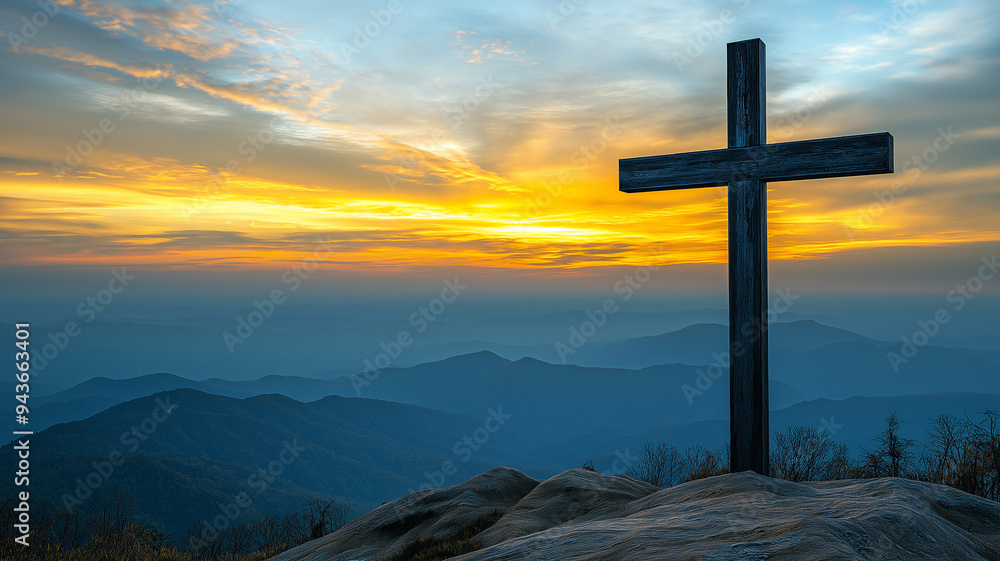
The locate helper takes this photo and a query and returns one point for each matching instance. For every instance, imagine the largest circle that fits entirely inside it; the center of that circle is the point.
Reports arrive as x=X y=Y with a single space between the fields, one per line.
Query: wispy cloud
x=465 y=165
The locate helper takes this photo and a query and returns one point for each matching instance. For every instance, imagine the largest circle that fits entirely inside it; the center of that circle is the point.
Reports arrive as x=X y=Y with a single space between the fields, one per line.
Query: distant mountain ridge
x=365 y=450
x=465 y=384
x=808 y=360
x=819 y=360
x=305 y=340
x=854 y=421
x=368 y=451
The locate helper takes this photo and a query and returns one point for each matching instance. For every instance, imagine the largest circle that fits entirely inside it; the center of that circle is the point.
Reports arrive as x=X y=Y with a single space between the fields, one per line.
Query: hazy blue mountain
x=306 y=340
x=196 y=351
x=364 y=450
x=704 y=343
x=554 y=401
x=368 y=451
x=863 y=368
x=45 y=415
x=97 y=394
x=172 y=492
x=443 y=351
x=981 y=342
x=808 y=360
x=696 y=344
x=296 y=387
x=820 y=360
x=118 y=389
x=854 y=421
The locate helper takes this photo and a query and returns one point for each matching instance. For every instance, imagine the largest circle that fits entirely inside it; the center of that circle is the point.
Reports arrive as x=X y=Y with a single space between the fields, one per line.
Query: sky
x=211 y=146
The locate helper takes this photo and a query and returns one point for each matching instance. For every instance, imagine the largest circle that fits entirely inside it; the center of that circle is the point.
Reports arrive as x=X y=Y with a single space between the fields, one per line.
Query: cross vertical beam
x=746 y=166
x=748 y=403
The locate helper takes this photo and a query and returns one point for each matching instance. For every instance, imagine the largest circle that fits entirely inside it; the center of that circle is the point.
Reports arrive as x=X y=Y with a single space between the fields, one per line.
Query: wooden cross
x=746 y=167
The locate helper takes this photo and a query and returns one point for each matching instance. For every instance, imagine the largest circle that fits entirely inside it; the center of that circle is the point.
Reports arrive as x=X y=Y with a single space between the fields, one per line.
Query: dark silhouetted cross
x=746 y=167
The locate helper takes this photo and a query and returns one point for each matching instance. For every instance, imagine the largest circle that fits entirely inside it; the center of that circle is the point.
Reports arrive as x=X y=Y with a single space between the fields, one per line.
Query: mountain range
x=208 y=448
x=371 y=435
x=364 y=451
x=470 y=384
x=678 y=376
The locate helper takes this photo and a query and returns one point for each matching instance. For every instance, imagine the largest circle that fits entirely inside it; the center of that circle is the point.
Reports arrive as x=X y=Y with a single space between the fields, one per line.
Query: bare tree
x=700 y=462
x=325 y=515
x=658 y=464
x=941 y=455
x=892 y=457
x=895 y=448
x=801 y=454
x=838 y=464
x=984 y=447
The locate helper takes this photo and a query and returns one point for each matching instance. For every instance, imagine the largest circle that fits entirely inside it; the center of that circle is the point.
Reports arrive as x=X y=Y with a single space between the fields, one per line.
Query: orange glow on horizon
x=163 y=221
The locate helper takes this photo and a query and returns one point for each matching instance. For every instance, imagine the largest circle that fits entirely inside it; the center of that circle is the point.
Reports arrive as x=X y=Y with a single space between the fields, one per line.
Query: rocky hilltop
x=583 y=515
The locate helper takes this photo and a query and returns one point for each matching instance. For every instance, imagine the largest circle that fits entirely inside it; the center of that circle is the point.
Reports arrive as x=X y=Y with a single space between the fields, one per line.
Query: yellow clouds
x=448 y=168
x=172 y=213
x=189 y=29
x=139 y=212
x=438 y=147
x=87 y=59
x=479 y=50
x=272 y=95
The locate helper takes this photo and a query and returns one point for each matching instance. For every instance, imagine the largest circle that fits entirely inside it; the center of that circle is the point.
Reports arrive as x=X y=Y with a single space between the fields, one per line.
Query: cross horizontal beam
x=786 y=161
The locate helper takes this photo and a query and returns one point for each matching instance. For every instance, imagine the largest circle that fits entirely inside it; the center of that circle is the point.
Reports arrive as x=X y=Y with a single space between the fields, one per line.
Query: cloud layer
x=454 y=135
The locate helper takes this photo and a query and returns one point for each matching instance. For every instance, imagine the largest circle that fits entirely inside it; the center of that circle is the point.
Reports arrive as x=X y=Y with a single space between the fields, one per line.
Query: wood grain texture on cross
x=745 y=167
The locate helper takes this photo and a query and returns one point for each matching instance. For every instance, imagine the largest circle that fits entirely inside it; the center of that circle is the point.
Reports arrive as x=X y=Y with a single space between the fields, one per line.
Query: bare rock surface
x=563 y=498
x=586 y=516
x=434 y=513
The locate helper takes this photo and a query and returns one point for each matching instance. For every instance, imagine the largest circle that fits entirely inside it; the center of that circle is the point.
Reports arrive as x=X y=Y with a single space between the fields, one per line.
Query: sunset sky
x=431 y=137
